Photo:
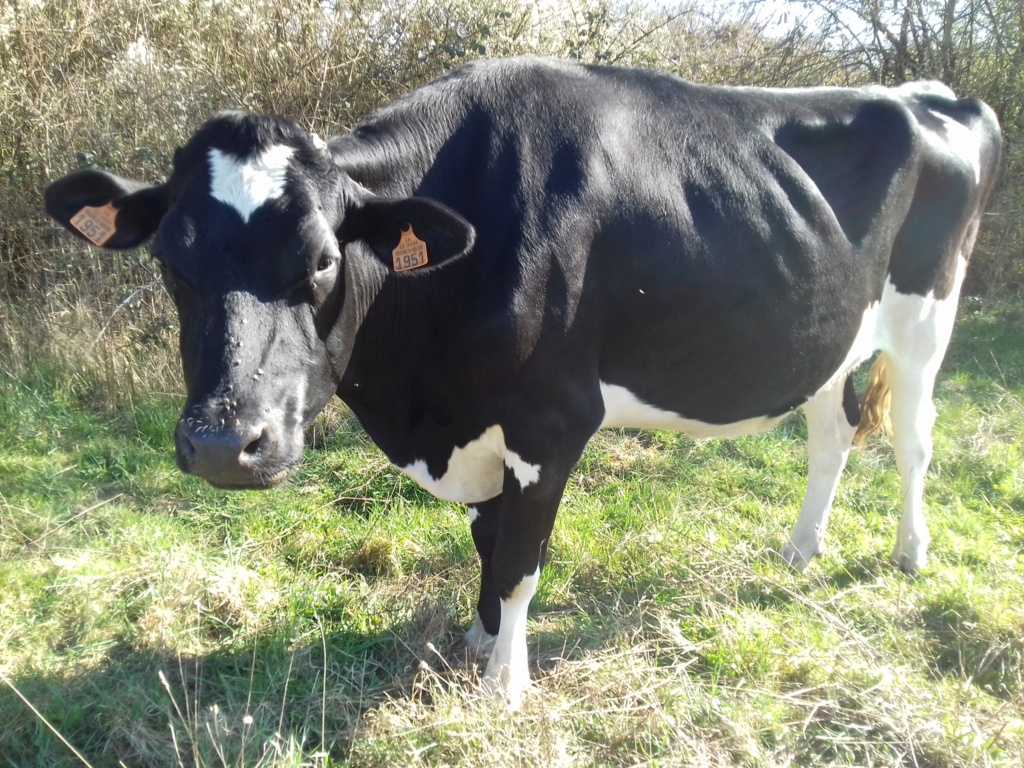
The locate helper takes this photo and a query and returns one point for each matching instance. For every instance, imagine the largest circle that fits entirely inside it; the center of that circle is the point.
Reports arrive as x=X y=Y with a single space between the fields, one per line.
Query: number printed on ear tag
x=96 y=224
x=410 y=253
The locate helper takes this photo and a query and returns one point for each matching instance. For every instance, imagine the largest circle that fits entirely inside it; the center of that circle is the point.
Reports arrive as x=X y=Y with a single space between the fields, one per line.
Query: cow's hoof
x=798 y=558
x=910 y=560
x=507 y=685
x=478 y=642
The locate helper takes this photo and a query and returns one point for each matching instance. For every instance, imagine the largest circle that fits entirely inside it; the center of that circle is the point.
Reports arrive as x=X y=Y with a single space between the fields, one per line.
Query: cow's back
x=711 y=250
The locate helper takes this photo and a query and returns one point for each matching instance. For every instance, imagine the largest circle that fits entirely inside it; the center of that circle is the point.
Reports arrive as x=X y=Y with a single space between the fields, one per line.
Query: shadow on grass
x=866 y=569
x=968 y=648
x=277 y=694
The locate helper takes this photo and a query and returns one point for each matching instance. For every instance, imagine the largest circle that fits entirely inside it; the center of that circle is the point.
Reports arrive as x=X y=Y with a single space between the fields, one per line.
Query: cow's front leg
x=484 y=518
x=529 y=500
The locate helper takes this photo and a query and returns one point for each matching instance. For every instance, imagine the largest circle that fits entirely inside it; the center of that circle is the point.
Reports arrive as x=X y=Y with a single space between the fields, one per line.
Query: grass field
x=146 y=619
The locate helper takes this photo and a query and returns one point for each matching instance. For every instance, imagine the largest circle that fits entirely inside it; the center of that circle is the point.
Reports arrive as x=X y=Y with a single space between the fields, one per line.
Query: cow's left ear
x=107 y=210
x=380 y=222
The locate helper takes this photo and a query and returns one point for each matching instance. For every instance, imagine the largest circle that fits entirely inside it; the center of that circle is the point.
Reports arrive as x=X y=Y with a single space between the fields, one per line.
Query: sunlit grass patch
x=152 y=619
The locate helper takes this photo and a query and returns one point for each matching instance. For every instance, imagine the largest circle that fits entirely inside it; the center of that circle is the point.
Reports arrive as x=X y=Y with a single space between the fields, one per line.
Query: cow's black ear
x=105 y=209
x=381 y=223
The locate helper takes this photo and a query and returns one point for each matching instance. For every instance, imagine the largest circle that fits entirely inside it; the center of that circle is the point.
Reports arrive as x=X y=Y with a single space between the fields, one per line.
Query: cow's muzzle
x=242 y=456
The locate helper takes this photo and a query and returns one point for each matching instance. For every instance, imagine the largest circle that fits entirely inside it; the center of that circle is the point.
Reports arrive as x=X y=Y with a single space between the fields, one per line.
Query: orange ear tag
x=96 y=224
x=410 y=253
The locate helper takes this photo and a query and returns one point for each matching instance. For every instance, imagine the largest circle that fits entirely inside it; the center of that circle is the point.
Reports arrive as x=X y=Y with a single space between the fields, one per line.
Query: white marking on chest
x=624 y=409
x=476 y=471
x=527 y=474
x=248 y=183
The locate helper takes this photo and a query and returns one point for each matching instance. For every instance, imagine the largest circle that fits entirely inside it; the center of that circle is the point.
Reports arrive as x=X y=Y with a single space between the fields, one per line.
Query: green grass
x=152 y=620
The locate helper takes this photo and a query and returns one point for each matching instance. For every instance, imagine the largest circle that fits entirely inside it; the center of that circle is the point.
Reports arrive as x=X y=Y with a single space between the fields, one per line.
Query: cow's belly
x=622 y=408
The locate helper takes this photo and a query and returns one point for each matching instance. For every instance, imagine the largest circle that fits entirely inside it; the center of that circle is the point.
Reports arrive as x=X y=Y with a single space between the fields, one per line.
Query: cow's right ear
x=380 y=222
x=105 y=209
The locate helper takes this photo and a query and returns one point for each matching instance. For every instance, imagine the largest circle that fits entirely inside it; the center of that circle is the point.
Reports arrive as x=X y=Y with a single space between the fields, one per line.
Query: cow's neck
x=395 y=381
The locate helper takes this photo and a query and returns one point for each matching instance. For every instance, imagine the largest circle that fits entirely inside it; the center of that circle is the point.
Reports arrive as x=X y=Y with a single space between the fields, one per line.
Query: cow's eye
x=322 y=281
x=326 y=269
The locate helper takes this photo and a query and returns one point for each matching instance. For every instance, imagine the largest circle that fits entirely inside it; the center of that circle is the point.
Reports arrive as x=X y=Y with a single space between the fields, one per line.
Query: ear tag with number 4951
x=410 y=253
x=96 y=224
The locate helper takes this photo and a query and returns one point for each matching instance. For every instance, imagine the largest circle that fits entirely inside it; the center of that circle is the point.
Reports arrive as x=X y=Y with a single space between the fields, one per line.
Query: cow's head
x=273 y=255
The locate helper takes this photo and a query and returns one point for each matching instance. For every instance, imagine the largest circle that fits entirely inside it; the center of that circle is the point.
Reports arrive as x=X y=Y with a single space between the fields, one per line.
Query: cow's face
x=272 y=255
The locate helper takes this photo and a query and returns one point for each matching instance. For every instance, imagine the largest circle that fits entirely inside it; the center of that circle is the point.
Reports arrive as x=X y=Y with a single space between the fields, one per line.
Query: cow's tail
x=874 y=407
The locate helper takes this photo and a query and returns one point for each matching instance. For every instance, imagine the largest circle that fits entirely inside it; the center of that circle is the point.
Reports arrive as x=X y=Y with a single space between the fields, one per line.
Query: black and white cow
x=524 y=251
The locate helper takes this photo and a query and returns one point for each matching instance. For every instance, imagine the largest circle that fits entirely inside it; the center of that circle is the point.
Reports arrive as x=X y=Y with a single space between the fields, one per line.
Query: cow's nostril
x=185 y=445
x=254 y=447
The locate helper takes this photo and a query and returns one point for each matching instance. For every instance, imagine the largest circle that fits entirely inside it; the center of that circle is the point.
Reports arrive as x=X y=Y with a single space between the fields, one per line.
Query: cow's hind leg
x=917 y=330
x=913 y=416
x=831 y=422
x=911 y=378
x=484 y=518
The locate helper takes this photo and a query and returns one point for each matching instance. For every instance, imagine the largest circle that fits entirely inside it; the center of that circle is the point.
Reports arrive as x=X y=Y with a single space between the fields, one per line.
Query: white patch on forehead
x=246 y=184
x=624 y=409
x=476 y=471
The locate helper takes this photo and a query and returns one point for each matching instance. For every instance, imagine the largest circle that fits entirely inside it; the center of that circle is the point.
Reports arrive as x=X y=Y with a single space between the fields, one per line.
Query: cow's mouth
x=255 y=484
x=238 y=457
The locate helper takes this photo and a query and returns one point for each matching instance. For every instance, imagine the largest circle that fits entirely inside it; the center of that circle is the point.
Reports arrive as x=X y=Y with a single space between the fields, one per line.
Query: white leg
x=918 y=329
x=508 y=672
x=913 y=416
x=829 y=437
